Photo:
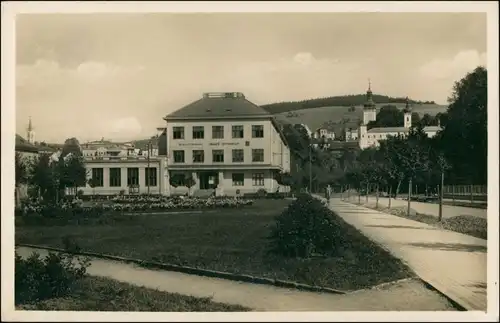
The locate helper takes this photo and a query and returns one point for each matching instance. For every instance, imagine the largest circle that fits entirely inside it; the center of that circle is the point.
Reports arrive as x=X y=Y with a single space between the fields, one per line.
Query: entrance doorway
x=208 y=180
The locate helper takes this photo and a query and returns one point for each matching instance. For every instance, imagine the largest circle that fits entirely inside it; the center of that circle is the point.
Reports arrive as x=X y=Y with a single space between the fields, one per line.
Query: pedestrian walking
x=328 y=191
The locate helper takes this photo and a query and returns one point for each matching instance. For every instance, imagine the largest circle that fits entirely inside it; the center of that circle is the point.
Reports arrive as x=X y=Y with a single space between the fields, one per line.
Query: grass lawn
x=101 y=294
x=230 y=240
x=466 y=224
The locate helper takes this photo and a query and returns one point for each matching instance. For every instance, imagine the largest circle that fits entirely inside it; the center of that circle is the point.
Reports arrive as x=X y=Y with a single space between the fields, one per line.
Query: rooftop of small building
x=219 y=105
x=22 y=145
x=400 y=129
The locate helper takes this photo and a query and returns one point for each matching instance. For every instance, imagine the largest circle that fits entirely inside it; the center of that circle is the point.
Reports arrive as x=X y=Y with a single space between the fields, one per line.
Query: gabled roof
x=432 y=128
x=219 y=105
x=388 y=129
x=23 y=145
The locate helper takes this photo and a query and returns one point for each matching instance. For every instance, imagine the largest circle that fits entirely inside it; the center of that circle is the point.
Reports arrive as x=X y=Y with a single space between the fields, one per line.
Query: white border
x=8 y=130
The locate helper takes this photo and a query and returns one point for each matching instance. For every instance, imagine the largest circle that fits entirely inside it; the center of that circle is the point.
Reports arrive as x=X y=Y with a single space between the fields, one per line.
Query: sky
x=117 y=75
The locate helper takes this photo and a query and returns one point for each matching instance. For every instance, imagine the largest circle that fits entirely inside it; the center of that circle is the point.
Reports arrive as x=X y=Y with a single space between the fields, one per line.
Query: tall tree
x=388 y=116
x=45 y=177
x=71 y=145
x=21 y=173
x=465 y=135
x=73 y=173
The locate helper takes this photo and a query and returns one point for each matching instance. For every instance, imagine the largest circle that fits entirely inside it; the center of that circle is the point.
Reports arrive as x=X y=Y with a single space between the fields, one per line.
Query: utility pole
x=441 y=196
x=148 y=177
x=310 y=168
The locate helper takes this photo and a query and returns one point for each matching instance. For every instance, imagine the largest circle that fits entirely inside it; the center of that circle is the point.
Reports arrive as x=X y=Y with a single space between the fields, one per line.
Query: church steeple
x=407 y=105
x=407 y=114
x=369 y=104
x=30 y=132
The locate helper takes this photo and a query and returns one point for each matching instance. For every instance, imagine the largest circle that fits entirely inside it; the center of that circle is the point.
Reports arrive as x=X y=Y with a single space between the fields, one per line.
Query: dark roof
x=46 y=148
x=388 y=130
x=219 y=105
x=24 y=146
x=339 y=145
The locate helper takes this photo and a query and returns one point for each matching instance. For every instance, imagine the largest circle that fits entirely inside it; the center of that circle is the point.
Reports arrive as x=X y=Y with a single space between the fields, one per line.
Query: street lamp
x=148 y=177
x=310 y=168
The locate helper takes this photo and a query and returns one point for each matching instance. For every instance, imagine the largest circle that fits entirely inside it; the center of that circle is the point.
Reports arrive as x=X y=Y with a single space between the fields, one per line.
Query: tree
x=415 y=118
x=388 y=116
x=189 y=182
x=45 y=177
x=466 y=123
x=176 y=180
x=93 y=182
x=71 y=146
x=73 y=172
x=21 y=173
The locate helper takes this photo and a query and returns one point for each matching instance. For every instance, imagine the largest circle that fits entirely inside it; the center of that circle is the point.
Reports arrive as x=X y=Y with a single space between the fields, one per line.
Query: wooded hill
x=344 y=100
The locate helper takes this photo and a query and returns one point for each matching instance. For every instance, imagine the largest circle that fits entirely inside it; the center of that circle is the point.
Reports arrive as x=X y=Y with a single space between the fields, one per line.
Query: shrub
x=38 y=279
x=307 y=228
x=261 y=193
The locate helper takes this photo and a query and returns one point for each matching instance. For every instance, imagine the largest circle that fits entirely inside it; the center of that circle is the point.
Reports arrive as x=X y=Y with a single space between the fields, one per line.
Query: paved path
x=410 y=295
x=453 y=263
x=449 y=211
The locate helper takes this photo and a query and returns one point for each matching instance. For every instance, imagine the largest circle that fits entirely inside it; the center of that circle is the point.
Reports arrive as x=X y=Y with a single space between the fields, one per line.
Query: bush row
x=38 y=279
x=307 y=228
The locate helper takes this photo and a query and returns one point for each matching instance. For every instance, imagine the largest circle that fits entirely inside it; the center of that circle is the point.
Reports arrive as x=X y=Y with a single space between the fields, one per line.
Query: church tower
x=369 y=108
x=30 y=133
x=407 y=114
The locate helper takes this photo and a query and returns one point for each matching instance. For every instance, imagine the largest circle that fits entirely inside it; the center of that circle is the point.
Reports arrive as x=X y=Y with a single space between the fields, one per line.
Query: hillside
x=338 y=117
x=336 y=101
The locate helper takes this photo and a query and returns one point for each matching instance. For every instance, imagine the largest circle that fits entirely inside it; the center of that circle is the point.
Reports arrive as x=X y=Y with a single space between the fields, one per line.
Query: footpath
x=449 y=211
x=408 y=295
x=453 y=263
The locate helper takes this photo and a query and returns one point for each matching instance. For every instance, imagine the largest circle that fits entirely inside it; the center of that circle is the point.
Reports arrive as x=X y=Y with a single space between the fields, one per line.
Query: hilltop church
x=369 y=138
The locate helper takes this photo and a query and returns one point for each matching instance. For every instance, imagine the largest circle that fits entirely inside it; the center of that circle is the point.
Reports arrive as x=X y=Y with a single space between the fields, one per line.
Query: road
x=449 y=211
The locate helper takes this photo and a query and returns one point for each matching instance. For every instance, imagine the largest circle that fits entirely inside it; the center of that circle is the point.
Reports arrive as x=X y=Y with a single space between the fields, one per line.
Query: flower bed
x=121 y=204
x=158 y=204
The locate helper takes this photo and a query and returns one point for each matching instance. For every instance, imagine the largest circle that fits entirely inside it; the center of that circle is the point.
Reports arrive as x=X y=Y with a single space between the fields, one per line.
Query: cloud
x=125 y=127
x=435 y=79
x=454 y=67
x=79 y=101
x=298 y=77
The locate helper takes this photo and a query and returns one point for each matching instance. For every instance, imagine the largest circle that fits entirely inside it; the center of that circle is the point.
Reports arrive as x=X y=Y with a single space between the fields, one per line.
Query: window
x=178 y=132
x=198 y=156
x=237 y=131
x=132 y=176
x=218 y=156
x=217 y=132
x=238 y=179
x=97 y=177
x=257 y=131
x=178 y=156
x=198 y=132
x=115 y=177
x=257 y=155
x=258 y=179
x=238 y=155
x=151 y=176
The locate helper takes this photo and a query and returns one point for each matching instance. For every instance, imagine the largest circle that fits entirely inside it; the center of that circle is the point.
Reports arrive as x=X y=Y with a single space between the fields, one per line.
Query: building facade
x=224 y=144
x=324 y=133
x=124 y=175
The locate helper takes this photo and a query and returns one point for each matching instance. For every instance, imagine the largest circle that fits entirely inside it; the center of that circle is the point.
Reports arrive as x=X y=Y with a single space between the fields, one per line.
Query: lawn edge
x=440 y=228
x=427 y=284
x=195 y=271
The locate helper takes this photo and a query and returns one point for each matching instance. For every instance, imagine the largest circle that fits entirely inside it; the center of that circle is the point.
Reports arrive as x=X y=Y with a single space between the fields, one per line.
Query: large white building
x=225 y=143
x=372 y=137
